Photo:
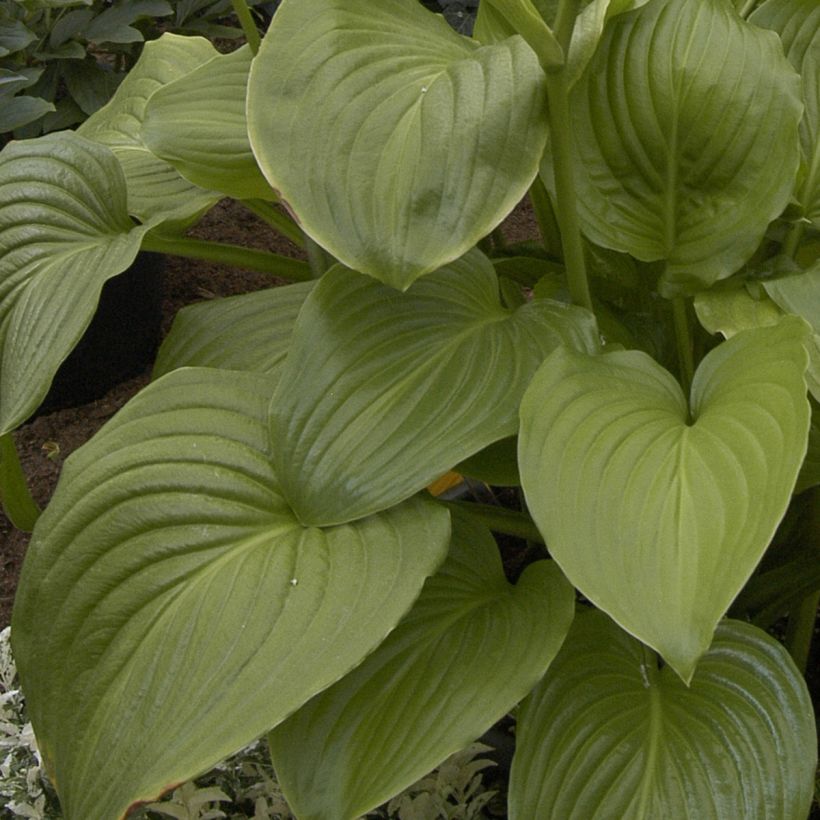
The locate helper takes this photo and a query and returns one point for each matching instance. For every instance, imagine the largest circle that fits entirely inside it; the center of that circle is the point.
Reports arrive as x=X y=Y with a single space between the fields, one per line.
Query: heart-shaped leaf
x=608 y=734
x=171 y=607
x=657 y=509
x=155 y=188
x=382 y=392
x=377 y=120
x=247 y=332
x=470 y=648
x=798 y=24
x=63 y=218
x=197 y=123
x=686 y=126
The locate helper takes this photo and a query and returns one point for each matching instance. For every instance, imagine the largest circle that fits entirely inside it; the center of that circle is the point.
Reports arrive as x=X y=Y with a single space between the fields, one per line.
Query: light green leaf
x=470 y=648
x=247 y=332
x=587 y=31
x=197 y=123
x=155 y=188
x=607 y=734
x=732 y=307
x=798 y=24
x=382 y=392
x=396 y=142
x=524 y=19
x=686 y=126
x=64 y=231
x=657 y=509
x=172 y=609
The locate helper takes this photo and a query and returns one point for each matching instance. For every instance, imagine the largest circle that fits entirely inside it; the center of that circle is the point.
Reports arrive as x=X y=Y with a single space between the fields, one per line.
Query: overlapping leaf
x=197 y=123
x=64 y=230
x=468 y=651
x=656 y=508
x=171 y=607
x=798 y=24
x=155 y=188
x=247 y=332
x=686 y=126
x=382 y=392
x=608 y=734
x=396 y=142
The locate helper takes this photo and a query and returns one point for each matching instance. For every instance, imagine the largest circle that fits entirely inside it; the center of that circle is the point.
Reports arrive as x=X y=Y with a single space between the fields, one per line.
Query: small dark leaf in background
x=115 y=24
x=19 y=111
x=90 y=84
x=14 y=36
x=69 y=26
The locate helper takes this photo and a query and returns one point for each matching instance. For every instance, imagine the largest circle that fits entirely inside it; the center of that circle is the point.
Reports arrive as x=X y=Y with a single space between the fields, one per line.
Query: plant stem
x=319 y=259
x=545 y=217
x=15 y=495
x=500 y=519
x=683 y=338
x=800 y=630
x=282 y=266
x=566 y=200
x=240 y=7
x=280 y=222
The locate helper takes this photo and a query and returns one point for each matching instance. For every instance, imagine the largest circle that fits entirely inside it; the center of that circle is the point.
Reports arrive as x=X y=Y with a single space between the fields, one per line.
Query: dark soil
x=46 y=441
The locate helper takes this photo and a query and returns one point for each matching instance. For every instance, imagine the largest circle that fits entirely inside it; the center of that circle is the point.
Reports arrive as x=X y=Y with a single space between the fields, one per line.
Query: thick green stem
x=243 y=13
x=566 y=200
x=800 y=630
x=15 y=496
x=282 y=266
x=279 y=221
x=320 y=260
x=500 y=519
x=545 y=217
x=683 y=338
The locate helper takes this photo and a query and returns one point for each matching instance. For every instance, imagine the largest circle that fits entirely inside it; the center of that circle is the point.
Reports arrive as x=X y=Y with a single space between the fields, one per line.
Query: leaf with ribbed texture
x=686 y=125
x=798 y=24
x=155 y=188
x=396 y=142
x=608 y=734
x=656 y=508
x=171 y=607
x=471 y=647
x=383 y=392
x=64 y=230
x=247 y=332
x=197 y=123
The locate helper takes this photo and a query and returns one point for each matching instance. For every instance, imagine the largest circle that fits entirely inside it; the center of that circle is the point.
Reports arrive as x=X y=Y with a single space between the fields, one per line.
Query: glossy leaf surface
x=172 y=609
x=798 y=24
x=687 y=147
x=377 y=120
x=608 y=734
x=197 y=123
x=470 y=648
x=64 y=230
x=251 y=331
x=656 y=508
x=383 y=392
x=155 y=188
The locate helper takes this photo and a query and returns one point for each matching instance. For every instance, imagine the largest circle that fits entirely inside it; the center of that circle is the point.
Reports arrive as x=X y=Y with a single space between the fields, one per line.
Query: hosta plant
x=248 y=547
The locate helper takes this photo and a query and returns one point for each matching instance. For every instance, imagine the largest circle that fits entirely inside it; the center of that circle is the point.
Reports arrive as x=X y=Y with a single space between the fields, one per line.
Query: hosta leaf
x=247 y=332
x=686 y=131
x=63 y=219
x=171 y=608
x=197 y=123
x=608 y=734
x=155 y=188
x=657 y=509
x=470 y=648
x=382 y=392
x=378 y=121
x=798 y=24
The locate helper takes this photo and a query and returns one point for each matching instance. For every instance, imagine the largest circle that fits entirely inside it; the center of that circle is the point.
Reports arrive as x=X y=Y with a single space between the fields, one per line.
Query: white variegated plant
x=248 y=549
